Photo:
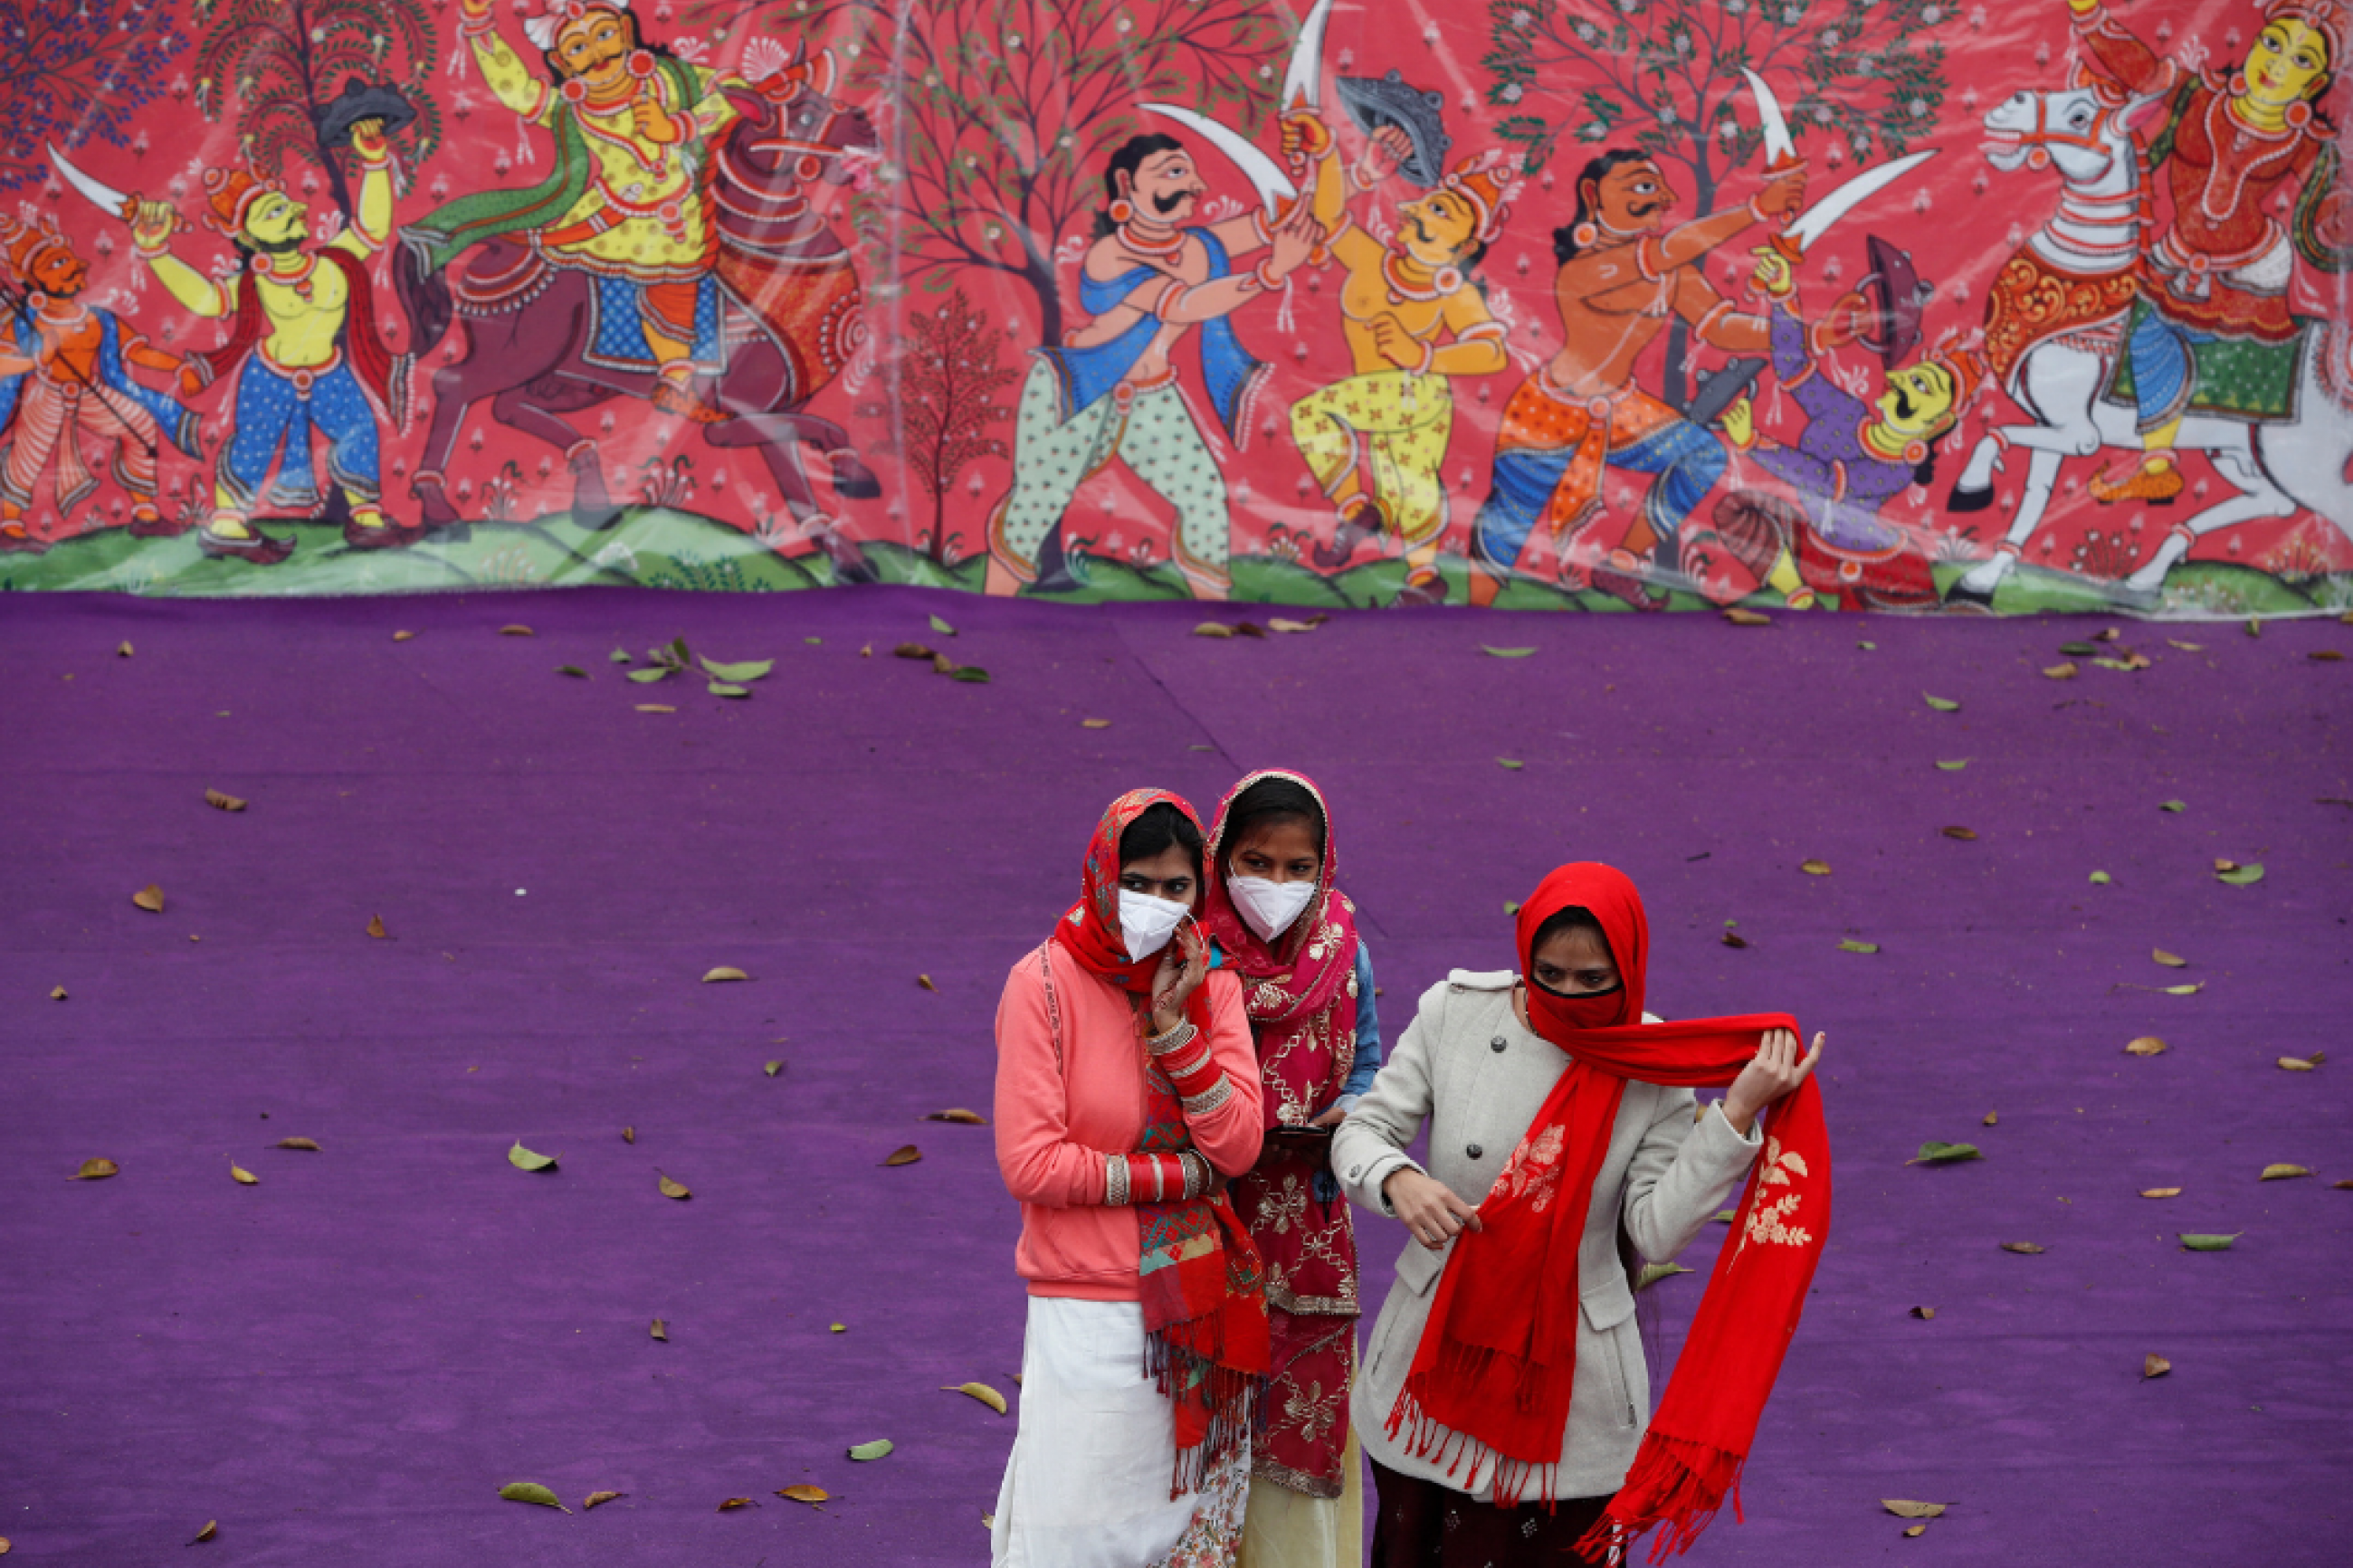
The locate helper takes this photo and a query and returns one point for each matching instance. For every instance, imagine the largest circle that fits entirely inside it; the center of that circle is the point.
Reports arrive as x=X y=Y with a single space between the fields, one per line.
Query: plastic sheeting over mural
x=1601 y=304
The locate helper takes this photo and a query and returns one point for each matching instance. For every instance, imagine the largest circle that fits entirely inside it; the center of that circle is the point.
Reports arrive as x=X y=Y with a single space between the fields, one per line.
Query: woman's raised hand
x=1775 y=1071
x=1429 y=1207
x=1184 y=964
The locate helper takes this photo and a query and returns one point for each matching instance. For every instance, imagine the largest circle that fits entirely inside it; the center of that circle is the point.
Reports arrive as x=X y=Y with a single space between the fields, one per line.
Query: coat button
x=1355 y=1172
x=1496 y=1044
x=1474 y=1150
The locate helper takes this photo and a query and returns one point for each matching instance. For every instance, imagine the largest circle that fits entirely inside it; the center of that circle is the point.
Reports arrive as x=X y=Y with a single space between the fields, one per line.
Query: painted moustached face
x=1919 y=399
x=1633 y=198
x=276 y=221
x=1165 y=187
x=597 y=48
x=1438 y=229
x=59 y=273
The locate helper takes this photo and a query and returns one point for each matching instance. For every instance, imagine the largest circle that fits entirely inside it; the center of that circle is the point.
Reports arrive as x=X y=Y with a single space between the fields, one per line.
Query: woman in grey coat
x=1475 y=1068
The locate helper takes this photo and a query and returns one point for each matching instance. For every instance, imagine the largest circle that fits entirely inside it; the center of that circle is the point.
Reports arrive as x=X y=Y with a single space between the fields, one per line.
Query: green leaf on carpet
x=2241 y=876
x=1934 y=1153
x=2173 y=806
x=1941 y=704
x=1511 y=763
x=532 y=1491
x=522 y=1159
x=722 y=688
x=1505 y=652
x=1655 y=1272
x=942 y=627
x=1955 y=765
x=971 y=673
x=750 y=669
x=647 y=677
x=2197 y=1241
x=1850 y=945
x=619 y=656
x=874 y=1450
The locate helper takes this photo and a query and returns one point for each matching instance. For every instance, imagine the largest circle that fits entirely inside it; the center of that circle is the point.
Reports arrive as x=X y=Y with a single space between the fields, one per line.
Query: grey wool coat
x=1468 y=1066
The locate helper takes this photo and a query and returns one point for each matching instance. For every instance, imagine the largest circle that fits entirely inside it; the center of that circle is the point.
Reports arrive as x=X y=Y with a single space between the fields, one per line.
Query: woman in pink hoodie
x=1128 y=1093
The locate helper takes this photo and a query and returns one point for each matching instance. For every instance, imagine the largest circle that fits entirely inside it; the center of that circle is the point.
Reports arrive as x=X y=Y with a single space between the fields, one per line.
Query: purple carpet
x=346 y=1361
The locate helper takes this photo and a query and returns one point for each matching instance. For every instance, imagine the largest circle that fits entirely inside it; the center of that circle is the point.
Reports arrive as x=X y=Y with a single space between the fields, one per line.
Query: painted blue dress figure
x=1109 y=390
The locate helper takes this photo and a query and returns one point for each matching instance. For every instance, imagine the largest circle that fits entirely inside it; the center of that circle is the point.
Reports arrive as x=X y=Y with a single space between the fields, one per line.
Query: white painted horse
x=2054 y=324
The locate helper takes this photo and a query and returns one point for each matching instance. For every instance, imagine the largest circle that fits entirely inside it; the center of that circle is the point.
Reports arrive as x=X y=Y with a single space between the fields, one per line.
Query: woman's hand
x=1774 y=1071
x=1184 y=964
x=1331 y=1118
x=1429 y=1207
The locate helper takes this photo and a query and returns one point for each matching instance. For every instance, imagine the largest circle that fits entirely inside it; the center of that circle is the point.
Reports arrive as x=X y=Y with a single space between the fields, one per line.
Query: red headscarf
x=1202 y=1287
x=1294 y=986
x=1492 y=1377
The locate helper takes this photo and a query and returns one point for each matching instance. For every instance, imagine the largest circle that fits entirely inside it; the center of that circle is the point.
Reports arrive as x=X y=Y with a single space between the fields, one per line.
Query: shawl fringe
x=1179 y=1369
x=1675 y=1486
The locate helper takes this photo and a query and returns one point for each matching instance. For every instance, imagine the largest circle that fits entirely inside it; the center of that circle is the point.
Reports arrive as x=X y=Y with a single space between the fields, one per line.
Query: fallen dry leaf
x=2284 y=1172
x=595 y=1498
x=670 y=1189
x=979 y=1390
x=2063 y=670
x=1915 y=1529
x=1734 y=939
x=1924 y=1314
x=655 y=708
x=2145 y=1045
x=905 y=1154
x=773 y=1068
x=1958 y=832
x=943 y=665
x=2170 y=960
x=2160 y=1192
x=212 y=1526
x=150 y=897
x=57 y=993
x=914 y=650
x=1095 y=723
x=724 y=971
x=1213 y=629
x=1905 y=1507
x=925 y=982
x=95 y=1171
x=375 y=926
x=969 y=1117
x=734 y=1503
x=532 y=1491
x=401 y=636
x=2303 y=1064
x=1278 y=625
x=1815 y=867
x=2326 y=655
x=660 y=1330
x=241 y=1176
x=1990 y=1118
x=629 y=1134
x=2344 y=1187
x=1740 y=618
x=2026 y=1246
x=2153 y=1366
x=2187 y=646
x=221 y=801
x=517 y=630
x=309 y=1146
x=804 y=1493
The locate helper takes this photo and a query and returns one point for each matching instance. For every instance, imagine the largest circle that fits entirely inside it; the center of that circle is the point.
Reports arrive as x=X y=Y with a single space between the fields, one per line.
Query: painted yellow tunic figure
x=1413 y=320
x=642 y=217
x=304 y=344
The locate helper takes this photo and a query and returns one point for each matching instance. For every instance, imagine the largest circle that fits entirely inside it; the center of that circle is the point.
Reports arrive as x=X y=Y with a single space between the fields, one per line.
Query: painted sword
x=1274 y=188
x=1794 y=241
x=1303 y=82
x=1780 y=151
x=99 y=192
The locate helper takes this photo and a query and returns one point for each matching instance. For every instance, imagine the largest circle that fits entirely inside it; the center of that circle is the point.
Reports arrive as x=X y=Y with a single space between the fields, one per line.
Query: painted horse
x=2056 y=319
x=790 y=322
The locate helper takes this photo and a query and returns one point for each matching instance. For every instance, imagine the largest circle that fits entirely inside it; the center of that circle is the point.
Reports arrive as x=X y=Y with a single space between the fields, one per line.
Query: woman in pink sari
x=1280 y=922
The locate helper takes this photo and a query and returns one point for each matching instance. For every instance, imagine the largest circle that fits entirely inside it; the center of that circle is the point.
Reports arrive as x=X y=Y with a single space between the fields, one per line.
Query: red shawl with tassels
x=1202 y=1287
x=1490 y=1379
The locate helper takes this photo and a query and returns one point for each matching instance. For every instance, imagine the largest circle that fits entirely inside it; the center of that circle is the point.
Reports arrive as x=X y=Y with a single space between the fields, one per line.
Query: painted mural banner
x=1613 y=305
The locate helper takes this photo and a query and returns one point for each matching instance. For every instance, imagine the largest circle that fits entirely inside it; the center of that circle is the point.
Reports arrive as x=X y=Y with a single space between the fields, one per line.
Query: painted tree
x=1859 y=80
x=949 y=380
x=72 y=70
x=1006 y=112
x=269 y=63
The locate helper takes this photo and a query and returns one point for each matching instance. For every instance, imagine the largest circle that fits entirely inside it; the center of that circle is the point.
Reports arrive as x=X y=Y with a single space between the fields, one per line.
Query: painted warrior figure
x=1110 y=389
x=1623 y=273
x=1852 y=458
x=65 y=380
x=1395 y=415
x=304 y=344
x=628 y=202
x=2211 y=327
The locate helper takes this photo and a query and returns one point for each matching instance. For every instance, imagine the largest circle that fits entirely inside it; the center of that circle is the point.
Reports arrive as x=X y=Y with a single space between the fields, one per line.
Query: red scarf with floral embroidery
x=1490 y=1379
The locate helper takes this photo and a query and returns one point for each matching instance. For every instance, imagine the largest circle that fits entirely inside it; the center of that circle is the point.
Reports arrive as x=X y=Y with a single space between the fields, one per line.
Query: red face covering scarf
x=1490 y=1379
x=1303 y=1013
x=1203 y=1289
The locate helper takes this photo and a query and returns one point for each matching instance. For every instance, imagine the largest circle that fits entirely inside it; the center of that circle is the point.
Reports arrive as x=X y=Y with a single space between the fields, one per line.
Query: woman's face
x=1168 y=875
x=1573 y=962
x=1277 y=849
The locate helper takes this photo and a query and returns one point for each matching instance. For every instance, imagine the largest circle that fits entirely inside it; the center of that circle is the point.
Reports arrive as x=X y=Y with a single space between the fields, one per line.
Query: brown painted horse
x=790 y=308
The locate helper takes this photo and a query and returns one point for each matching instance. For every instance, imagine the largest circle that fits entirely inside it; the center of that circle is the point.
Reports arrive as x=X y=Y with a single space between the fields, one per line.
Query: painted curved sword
x=1274 y=186
x=1780 y=151
x=99 y=192
x=1303 y=83
x=1794 y=241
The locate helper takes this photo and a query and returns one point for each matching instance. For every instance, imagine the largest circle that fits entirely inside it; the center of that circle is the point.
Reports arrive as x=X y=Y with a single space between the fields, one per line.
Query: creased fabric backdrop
x=1569 y=443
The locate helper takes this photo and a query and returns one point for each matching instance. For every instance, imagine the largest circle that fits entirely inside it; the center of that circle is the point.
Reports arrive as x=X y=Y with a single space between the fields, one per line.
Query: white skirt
x=1087 y=1483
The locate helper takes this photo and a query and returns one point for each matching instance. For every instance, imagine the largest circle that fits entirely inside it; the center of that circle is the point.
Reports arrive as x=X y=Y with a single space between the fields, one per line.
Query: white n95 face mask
x=1268 y=908
x=1147 y=923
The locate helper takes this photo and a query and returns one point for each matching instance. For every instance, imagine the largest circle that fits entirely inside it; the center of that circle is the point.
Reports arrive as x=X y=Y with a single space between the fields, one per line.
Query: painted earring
x=1585 y=234
x=809 y=167
x=1121 y=210
x=2299 y=114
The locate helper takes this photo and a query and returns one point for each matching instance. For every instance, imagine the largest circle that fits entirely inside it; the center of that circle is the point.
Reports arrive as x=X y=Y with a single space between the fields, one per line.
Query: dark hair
x=1563 y=239
x=1154 y=829
x=1273 y=800
x=1560 y=922
x=1126 y=160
